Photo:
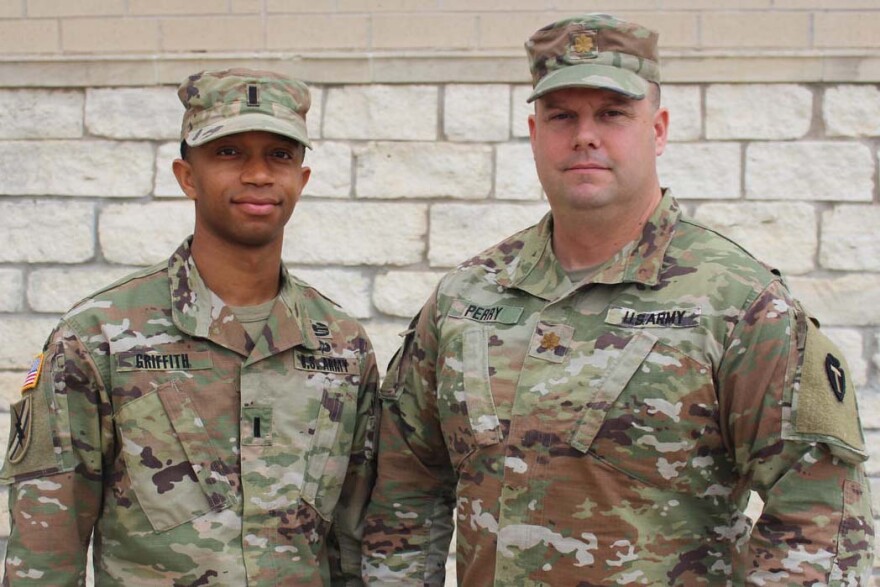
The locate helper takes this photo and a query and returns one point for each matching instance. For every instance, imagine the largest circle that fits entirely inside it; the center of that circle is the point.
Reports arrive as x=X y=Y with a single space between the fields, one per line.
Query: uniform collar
x=537 y=271
x=199 y=312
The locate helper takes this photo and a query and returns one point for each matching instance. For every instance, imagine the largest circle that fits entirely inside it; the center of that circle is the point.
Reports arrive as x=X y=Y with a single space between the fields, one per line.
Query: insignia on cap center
x=582 y=45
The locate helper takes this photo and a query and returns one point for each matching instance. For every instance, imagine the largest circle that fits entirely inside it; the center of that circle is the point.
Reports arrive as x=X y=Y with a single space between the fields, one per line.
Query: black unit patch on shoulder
x=836 y=376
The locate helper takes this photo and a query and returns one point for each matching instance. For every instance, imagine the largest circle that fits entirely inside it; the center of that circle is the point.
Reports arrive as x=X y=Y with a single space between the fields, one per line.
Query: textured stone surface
x=348 y=288
x=407 y=113
x=134 y=113
x=41 y=114
x=46 y=231
x=477 y=112
x=367 y=233
x=852 y=111
x=783 y=235
x=515 y=175
x=143 y=234
x=460 y=231
x=424 y=170
x=402 y=293
x=701 y=170
x=78 y=168
x=165 y=183
x=872 y=442
x=331 y=170
x=810 y=170
x=852 y=345
x=11 y=289
x=685 y=115
x=850 y=238
x=21 y=338
x=386 y=339
x=850 y=300
x=10 y=391
x=520 y=111
x=56 y=290
x=758 y=111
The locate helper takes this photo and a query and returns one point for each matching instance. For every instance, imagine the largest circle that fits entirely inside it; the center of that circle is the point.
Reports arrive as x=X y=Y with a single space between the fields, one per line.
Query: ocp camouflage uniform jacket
x=610 y=432
x=199 y=456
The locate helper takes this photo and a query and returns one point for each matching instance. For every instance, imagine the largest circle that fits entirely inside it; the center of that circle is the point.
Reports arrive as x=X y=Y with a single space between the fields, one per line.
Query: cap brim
x=592 y=75
x=294 y=129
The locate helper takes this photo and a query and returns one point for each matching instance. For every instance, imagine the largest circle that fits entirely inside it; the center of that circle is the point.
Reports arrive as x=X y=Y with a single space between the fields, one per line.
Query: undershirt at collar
x=253 y=318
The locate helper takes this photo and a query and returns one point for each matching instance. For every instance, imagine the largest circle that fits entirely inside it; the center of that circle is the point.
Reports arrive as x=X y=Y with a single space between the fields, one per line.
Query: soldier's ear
x=184 y=173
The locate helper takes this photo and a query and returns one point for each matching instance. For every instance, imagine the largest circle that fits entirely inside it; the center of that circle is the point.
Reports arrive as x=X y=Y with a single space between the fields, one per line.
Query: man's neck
x=589 y=238
x=240 y=277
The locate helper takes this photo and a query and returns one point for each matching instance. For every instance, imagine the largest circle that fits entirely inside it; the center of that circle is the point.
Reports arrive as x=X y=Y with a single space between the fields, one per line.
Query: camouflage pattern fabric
x=221 y=103
x=609 y=432
x=198 y=455
x=593 y=51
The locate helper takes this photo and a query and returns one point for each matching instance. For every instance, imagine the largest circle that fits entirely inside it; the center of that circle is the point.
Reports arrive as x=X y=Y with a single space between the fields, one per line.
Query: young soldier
x=203 y=421
x=597 y=395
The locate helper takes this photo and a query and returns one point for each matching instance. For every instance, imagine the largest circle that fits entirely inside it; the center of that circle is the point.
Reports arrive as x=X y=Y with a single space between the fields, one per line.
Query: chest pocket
x=654 y=417
x=332 y=430
x=174 y=468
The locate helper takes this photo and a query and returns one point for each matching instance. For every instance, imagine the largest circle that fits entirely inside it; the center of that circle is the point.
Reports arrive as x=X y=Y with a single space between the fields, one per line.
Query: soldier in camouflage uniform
x=597 y=396
x=205 y=421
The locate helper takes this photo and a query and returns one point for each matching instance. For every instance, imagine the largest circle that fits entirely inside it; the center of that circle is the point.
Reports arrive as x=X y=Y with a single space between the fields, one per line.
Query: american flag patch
x=33 y=376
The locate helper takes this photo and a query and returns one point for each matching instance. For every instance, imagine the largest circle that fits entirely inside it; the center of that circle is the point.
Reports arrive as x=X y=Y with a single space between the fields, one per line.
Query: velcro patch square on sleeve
x=826 y=398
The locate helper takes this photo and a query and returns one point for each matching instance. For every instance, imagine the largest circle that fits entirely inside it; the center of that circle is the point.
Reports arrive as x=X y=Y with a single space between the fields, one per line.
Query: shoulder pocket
x=30 y=452
x=823 y=402
x=174 y=468
x=39 y=433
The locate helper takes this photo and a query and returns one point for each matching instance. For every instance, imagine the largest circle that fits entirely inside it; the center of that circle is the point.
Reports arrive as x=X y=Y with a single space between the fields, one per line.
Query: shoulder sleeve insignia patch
x=824 y=403
x=33 y=374
x=20 y=435
x=836 y=376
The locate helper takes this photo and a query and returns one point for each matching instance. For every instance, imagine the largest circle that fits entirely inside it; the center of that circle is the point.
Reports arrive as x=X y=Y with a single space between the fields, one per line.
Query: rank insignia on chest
x=321 y=329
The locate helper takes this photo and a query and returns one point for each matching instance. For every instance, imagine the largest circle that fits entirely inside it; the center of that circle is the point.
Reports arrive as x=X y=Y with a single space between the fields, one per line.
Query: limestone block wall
x=421 y=155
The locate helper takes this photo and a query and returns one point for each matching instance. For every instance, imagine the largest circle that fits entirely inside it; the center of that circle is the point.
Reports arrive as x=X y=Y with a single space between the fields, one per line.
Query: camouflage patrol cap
x=221 y=103
x=593 y=51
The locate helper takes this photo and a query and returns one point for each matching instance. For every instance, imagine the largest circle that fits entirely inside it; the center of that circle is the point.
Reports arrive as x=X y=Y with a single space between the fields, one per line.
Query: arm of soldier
x=348 y=523
x=798 y=445
x=409 y=520
x=54 y=470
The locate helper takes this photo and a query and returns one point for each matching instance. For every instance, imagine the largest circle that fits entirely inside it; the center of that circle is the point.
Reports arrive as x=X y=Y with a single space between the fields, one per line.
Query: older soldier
x=598 y=394
x=204 y=421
